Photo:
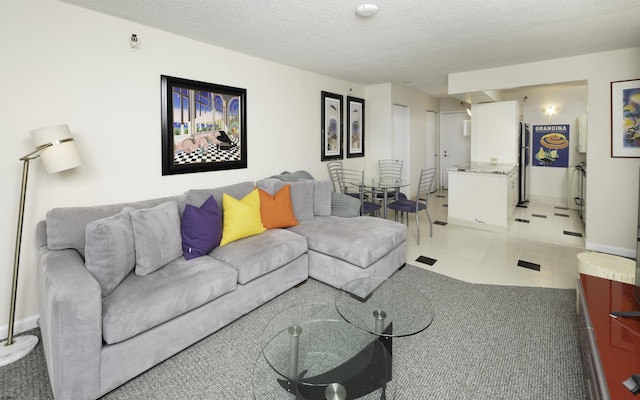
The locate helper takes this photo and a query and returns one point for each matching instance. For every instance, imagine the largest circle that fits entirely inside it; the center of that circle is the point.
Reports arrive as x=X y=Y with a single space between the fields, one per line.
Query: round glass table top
x=314 y=351
x=385 y=183
x=384 y=307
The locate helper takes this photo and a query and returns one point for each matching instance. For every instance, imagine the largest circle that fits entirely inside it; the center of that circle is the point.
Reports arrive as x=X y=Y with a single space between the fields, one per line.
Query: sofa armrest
x=71 y=324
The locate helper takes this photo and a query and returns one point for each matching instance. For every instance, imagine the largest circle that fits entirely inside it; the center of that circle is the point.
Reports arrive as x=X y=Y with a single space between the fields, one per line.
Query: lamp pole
x=14 y=349
x=16 y=255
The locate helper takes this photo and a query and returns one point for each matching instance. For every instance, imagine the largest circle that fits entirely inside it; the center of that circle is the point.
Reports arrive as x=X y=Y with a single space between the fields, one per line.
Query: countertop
x=484 y=168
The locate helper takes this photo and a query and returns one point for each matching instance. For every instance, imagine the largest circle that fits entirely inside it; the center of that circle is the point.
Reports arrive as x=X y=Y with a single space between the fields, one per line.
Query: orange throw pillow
x=277 y=210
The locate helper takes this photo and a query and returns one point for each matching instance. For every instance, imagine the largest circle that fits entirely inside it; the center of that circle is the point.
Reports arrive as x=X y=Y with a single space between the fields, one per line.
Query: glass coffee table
x=343 y=350
x=384 y=307
x=310 y=352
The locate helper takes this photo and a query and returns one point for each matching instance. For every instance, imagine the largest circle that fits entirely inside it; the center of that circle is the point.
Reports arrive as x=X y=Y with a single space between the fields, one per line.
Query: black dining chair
x=406 y=206
x=351 y=183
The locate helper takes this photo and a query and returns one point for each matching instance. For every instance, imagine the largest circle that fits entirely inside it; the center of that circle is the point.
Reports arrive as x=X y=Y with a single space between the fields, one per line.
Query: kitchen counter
x=482 y=195
x=485 y=168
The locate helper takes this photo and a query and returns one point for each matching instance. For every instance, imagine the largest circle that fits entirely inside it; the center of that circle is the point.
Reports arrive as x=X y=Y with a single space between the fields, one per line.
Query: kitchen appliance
x=579 y=198
x=523 y=163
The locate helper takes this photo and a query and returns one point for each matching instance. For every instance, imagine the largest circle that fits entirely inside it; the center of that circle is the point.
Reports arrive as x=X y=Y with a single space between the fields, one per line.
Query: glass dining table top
x=385 y=183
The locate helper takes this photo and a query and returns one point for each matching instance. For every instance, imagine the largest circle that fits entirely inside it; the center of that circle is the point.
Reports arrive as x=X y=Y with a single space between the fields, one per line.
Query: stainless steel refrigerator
x=523 y=163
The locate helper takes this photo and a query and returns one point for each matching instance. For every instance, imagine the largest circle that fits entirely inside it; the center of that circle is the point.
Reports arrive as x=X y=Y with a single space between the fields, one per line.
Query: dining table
x=384 y=186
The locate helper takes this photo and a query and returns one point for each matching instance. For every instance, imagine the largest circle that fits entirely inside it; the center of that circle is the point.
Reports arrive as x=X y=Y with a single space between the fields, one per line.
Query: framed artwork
x=204 y=126
x=625 y=118
x=331 y=127
x=550 y=146
x=355 y=127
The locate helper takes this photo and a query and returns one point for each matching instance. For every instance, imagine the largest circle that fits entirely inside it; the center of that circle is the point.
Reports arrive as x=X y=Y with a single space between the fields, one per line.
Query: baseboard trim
x=631 y=253
x=20 y=326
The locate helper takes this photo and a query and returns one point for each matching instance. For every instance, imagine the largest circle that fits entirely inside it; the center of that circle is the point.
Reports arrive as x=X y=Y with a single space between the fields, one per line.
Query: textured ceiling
x=411 y=42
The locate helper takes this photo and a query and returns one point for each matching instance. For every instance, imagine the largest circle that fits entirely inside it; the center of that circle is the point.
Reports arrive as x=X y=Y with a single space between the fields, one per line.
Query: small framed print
x=331 y=126
x=625 y=118
x=355 y=127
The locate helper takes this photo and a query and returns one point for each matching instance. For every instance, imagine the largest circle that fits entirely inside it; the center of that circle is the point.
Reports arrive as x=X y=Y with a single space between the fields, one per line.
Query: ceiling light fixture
x=550 y=110
x=367 y=10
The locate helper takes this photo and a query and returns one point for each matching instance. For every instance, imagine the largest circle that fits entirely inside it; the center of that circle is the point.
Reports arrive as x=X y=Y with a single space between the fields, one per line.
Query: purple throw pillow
x=201 y=229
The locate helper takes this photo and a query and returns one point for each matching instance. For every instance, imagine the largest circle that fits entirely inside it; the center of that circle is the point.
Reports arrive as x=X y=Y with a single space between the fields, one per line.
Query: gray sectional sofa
x=100 y=329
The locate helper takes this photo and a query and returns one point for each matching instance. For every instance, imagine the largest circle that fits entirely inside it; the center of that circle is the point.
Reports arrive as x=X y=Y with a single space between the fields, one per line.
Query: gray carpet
x=485 y=342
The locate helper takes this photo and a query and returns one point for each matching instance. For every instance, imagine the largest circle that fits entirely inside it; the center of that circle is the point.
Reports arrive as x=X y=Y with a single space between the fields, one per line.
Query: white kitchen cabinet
x=482 y=200
x=495 y=128
x=581 y=133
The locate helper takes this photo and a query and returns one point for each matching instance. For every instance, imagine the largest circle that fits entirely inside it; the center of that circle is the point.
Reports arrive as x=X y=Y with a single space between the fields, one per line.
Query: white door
x=400 y=139
x=456 y=148
x=431 y=150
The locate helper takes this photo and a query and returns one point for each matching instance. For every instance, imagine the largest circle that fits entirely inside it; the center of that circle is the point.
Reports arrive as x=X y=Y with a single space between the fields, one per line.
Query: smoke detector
x=367 y=10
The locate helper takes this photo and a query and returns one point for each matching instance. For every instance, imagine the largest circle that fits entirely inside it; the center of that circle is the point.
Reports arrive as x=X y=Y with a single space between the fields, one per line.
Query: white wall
x=378 y=126
x=64 y=64
x=612 y=183
x=418 y=104
x=379 y=122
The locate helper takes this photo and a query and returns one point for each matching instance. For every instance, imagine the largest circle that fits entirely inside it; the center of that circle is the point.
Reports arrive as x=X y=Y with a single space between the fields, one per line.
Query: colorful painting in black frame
x=625 y=118
x=204 y=126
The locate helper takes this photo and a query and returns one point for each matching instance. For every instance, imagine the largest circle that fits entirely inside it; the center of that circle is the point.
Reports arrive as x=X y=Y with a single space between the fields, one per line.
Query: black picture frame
x=204 y=126
x=625 y=114
x=331 y=127
x=355 y=127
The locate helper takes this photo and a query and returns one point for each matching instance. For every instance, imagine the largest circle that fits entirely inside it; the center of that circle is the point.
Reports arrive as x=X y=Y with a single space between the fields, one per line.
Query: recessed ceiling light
x=367 y=10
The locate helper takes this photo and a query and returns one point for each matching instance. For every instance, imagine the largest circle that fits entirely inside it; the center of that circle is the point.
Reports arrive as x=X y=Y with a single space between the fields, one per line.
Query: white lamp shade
x=59 y=156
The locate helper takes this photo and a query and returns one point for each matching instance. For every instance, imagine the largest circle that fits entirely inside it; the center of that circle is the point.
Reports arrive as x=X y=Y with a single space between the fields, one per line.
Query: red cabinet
x=610 y=346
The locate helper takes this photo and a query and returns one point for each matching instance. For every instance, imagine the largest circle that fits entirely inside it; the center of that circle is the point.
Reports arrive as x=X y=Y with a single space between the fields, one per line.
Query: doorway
x=455 y=148
x=431 y=150
x=400 y=138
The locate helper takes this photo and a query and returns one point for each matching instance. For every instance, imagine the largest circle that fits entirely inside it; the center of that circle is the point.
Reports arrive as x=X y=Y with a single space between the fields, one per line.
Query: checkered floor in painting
x=211 y=154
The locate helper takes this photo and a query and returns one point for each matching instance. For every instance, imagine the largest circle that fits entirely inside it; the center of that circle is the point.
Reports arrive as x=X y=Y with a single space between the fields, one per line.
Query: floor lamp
x=56 y=147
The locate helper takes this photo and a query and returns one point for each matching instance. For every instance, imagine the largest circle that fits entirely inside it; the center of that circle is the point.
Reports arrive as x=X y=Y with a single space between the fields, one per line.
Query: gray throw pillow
x=344 y=206
x=109 y=252
x=158 y=239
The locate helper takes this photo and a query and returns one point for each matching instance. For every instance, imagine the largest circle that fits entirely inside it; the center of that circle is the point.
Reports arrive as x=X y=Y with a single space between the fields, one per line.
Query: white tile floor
x=479 y=256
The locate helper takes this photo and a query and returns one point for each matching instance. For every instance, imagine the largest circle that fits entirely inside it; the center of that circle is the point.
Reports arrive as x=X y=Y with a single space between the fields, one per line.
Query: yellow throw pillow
x=241 y=218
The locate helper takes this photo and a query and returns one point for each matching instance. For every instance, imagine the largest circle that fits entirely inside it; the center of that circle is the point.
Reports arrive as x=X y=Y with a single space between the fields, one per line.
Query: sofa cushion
x=109 y=254
x=343 y=205
x=157 y=236
x=293 y=176
x=66 y=226
x=201 y=228
x=360 y=241
x=241 y=218
x=237 y=190
x=276 y=210
x=322 y=198
x=257 y=255
x=140 y=303
x=301 y=195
